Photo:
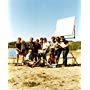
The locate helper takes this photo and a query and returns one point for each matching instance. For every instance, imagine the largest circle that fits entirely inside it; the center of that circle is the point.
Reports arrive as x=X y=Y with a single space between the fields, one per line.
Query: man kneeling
x=30 y=58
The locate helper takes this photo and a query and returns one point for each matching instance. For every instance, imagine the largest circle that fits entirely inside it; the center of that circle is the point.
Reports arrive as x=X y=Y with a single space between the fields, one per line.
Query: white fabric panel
x=65 y=26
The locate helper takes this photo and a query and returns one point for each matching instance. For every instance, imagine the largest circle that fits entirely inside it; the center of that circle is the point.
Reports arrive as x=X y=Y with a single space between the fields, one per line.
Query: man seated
x=30 y=58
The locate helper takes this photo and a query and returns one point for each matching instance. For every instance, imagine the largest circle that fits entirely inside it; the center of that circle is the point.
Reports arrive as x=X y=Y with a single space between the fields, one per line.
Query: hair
x=23 y=41
x=53 y=37
x=61 y=36
x=31 y=38
x=19 y=38
x=57 y=39
x=37 y=40
x=29 y=50
x=41 y=38
x=52 y=50
x=45 y=39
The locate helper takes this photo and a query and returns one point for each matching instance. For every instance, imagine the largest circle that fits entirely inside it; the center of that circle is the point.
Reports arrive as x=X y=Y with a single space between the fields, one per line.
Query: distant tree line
x=72 y=46
x=11 y=44
x=75 y=45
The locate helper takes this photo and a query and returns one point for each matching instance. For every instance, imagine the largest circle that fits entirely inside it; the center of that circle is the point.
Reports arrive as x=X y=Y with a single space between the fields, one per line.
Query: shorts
x=17 y=52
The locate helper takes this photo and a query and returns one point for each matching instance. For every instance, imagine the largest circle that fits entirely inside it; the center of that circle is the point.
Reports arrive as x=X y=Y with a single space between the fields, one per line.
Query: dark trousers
x=65 y=53
x=57 y=53
x=42 y=61
x=36 y=56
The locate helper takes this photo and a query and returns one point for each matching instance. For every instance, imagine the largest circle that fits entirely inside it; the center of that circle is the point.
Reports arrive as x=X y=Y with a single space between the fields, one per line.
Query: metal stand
x=73 y=58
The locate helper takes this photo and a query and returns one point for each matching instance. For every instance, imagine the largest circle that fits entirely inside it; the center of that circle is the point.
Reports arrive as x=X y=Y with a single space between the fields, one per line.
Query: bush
x=11 y=44
x=75 y=45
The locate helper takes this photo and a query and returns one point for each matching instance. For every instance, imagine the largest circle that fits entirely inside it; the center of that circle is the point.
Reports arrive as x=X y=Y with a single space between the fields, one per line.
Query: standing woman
x=45 y=48
x=18 y=48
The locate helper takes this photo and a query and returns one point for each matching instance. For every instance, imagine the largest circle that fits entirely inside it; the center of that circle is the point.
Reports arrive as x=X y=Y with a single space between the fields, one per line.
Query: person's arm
x=57 y=46
x=34 y=59
x=48 y=46
x=30 y=60
x=64 y=44
x=27 y=57
x=18 y=49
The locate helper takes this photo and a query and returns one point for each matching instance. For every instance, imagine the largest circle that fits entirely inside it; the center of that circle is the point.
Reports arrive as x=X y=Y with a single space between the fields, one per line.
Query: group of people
x=35 y=52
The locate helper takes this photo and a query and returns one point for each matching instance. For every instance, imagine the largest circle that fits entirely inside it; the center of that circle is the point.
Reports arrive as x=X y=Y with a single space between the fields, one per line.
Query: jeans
x=36 y=56
x=57 y=53
x=65 y=53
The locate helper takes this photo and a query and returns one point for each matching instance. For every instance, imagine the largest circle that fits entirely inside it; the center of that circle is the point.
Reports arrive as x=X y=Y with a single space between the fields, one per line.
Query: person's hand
x=59 y=46
x=20 y=51
x=56 y=46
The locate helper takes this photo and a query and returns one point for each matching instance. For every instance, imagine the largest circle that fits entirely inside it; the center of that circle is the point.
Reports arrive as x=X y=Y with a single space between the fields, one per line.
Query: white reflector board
x=65 y=27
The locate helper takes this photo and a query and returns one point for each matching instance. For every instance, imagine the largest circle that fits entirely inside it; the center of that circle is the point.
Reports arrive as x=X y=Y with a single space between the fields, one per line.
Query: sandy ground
x=42 y=78
x=37 y=78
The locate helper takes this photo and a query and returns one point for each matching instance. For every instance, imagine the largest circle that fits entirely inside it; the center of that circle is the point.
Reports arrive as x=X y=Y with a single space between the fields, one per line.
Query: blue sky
x=36 y=18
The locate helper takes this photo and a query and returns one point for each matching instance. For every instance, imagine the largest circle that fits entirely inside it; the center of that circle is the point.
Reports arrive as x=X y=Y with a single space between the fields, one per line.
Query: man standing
x=65 y=47
x=36 y=48
x=18 y=48
x=31 y=46
x=52 y=45
x=58 y=49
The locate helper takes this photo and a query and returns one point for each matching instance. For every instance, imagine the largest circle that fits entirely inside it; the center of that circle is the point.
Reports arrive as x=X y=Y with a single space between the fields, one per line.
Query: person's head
x=53 y=39
x=41 y=40
x=45 y=40
x=37 y=40
x=52 y=50
x=22 y=41
x=31 y=39
x=19 y=40
x=30 y=51
x=62 y=38
x=57 y=39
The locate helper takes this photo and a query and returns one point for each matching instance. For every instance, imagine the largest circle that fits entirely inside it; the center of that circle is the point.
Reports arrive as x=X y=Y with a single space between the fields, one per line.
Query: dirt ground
x=43 y=78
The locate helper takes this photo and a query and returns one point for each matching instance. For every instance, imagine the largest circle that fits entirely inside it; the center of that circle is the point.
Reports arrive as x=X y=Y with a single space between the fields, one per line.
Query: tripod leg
x=74 y=58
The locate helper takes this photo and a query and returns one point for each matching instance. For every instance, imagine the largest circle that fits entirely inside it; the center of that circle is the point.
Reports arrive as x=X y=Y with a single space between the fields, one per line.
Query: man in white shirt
x=53 y=43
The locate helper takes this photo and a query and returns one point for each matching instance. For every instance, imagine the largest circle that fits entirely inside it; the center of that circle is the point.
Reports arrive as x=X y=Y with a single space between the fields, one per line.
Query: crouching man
x=30 y=59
